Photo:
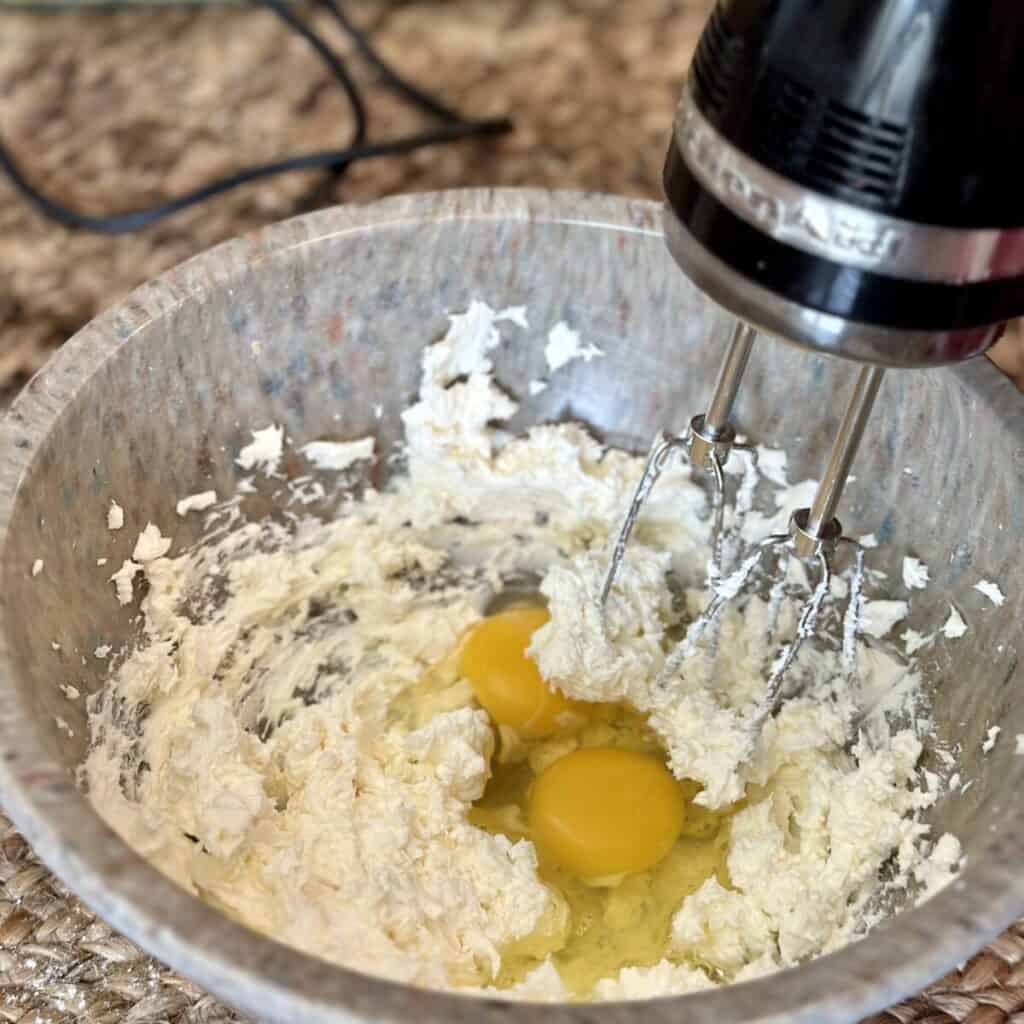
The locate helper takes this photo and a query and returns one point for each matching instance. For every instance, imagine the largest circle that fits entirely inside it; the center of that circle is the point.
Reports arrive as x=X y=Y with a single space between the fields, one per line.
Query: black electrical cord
x=334 y=64
x=453 y=129
x=391 y=77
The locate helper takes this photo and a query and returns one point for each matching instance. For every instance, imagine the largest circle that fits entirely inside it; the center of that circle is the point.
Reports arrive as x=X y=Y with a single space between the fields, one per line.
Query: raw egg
x=602 y=812
x=507 y=682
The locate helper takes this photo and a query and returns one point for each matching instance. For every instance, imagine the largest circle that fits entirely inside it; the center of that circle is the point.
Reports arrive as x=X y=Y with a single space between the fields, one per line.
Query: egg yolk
x=603 y=811
x=508 y=683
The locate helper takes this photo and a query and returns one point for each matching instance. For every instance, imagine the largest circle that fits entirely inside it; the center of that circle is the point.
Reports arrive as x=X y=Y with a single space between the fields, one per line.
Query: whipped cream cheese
x=291 y=742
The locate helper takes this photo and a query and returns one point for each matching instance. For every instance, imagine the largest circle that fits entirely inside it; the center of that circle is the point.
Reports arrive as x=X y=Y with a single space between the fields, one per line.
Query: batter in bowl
x=328 y=734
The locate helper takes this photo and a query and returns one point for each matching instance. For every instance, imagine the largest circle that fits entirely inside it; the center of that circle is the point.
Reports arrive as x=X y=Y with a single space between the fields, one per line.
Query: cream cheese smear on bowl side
x=327 y=733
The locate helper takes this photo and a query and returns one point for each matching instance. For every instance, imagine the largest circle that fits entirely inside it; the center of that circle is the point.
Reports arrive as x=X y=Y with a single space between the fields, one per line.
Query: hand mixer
x=845 y=176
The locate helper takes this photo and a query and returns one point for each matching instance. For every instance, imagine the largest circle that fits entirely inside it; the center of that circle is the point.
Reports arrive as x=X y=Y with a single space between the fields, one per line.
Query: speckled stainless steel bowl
x=311 y=323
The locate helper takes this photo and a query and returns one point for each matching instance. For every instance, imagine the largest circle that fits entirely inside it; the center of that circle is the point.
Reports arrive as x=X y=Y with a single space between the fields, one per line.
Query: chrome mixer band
x=829 y=333
x=790 y=248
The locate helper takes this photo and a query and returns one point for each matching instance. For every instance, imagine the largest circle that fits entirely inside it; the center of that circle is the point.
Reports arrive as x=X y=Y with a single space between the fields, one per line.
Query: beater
x=845 y=177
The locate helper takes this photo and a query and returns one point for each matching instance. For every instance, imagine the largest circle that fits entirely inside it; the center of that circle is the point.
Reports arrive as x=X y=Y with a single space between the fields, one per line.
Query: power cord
x=453 y=128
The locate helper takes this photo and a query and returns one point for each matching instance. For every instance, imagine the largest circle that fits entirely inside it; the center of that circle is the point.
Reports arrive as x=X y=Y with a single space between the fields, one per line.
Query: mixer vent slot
x=797 y=132
x=825 y=144
x=716 y=64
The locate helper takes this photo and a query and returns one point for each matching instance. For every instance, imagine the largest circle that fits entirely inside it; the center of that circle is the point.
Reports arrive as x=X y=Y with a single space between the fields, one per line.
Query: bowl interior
x=316 y=323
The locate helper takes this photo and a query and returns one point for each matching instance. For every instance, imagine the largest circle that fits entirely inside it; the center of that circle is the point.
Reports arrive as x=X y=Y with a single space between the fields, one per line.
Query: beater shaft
x=817 y=525
x=729 y=376
x=712 y=434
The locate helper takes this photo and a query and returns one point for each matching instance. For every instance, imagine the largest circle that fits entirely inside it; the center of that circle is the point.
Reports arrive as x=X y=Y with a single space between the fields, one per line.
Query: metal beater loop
x=659 y=453
x=787 y=655
x=725 y=591
x=707 y=443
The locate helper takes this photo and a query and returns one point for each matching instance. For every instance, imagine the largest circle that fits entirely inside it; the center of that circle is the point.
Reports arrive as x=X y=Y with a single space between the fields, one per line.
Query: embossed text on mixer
x=816 y=223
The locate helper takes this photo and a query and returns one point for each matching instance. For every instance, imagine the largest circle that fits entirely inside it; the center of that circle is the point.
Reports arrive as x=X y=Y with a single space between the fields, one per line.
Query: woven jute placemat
x=117 y=110
x=59 y=964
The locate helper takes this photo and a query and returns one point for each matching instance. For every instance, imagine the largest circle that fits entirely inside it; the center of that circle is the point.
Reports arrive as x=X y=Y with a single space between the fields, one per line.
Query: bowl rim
x=273 y=982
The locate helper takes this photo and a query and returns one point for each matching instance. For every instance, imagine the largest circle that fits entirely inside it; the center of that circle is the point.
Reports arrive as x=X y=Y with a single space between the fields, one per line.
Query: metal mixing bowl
x=311 y=323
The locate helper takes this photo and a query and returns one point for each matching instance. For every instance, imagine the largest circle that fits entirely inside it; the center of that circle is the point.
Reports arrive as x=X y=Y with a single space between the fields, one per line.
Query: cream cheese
x=312 y=755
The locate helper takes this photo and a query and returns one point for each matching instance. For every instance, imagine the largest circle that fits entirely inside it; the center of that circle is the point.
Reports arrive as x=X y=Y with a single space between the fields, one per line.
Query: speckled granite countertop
x=110 y=111
x=116 y=110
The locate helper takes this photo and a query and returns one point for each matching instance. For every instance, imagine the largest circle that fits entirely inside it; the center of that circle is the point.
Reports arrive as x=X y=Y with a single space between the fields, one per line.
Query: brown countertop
x=109 y=111
x=112 y=110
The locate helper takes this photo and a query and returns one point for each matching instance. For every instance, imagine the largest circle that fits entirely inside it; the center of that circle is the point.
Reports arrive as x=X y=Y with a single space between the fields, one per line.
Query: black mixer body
x=849 y=174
